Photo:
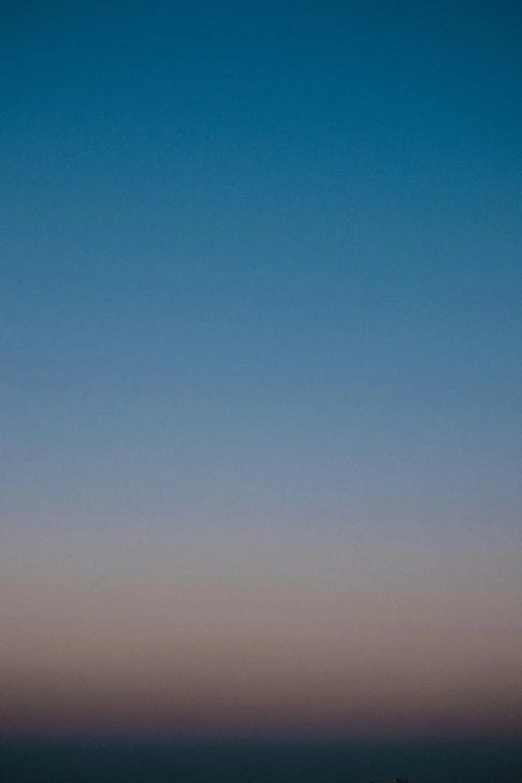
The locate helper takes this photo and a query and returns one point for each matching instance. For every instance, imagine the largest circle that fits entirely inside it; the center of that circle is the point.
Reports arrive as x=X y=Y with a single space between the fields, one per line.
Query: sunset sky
x=261 y=368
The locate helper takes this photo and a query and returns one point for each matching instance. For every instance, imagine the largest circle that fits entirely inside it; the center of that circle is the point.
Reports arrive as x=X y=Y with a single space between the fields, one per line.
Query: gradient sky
x=261 y=368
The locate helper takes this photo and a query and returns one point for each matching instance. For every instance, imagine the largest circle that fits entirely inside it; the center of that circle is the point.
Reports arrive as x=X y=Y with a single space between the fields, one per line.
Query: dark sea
x=254 y=762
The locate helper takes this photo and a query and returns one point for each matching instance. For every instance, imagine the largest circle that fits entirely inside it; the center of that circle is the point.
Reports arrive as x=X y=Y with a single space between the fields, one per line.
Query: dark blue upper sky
x=266 y=247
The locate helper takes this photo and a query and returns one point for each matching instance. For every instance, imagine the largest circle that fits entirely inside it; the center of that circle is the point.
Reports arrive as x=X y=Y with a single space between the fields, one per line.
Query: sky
x=260 y=387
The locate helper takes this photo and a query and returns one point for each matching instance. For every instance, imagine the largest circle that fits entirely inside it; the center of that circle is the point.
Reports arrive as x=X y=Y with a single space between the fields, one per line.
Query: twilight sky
x=261 y=368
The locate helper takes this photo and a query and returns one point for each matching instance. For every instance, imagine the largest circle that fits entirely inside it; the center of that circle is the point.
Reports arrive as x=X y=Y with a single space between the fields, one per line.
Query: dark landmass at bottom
x=45 y=761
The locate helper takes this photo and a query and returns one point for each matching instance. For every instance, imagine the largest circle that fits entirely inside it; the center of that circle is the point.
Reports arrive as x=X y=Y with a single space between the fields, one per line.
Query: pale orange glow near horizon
x=236 y=634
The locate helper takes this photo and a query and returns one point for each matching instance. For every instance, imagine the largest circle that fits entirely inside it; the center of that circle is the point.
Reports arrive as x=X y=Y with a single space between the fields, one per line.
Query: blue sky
x=260 y=269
